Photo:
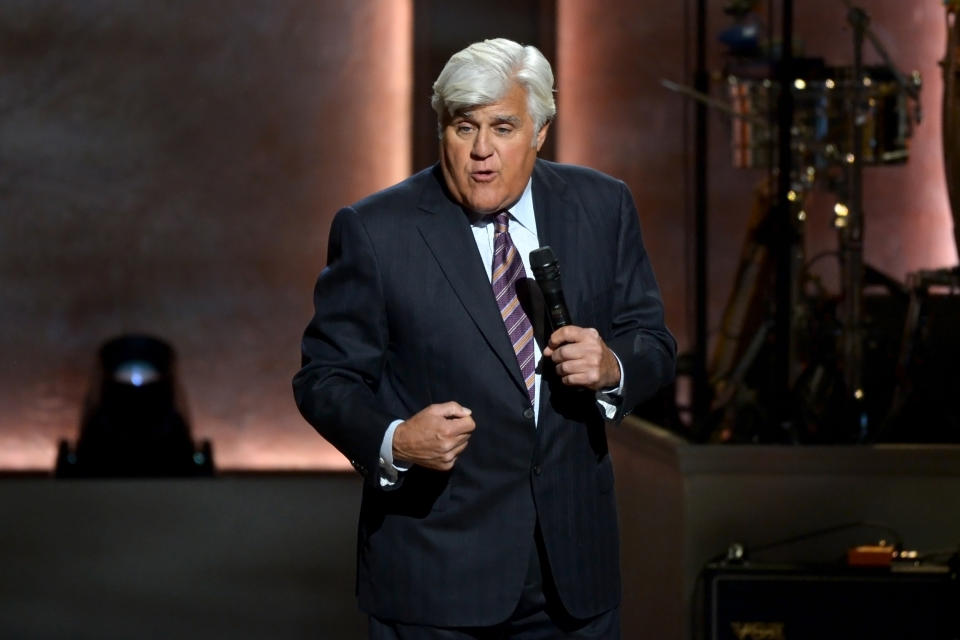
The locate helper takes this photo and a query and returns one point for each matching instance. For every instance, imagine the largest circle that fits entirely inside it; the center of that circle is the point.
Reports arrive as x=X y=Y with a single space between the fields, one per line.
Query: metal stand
x=851 y=233
x=701 y=385
x=786 y=236
x=801 y=149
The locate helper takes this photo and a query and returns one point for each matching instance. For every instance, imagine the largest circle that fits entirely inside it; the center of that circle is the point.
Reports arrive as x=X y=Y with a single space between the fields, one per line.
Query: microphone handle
x=559 y=316
x=556 y=305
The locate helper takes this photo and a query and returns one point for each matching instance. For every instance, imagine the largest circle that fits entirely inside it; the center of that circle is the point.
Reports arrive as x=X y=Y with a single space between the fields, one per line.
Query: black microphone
x=547 y=273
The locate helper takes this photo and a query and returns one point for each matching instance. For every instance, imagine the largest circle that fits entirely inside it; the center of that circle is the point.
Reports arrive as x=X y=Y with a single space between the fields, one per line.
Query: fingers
x=435 y=436
x=582 y=370
x=449 y=410
x=567 y=334
x=581 y=358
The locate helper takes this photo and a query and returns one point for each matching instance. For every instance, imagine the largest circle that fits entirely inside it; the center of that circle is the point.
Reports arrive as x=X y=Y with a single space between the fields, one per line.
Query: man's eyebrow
x=497 y=119
x=514 y=120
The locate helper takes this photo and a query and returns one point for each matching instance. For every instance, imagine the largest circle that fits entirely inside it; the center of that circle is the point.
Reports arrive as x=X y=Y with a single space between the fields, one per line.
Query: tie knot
x=501 y=222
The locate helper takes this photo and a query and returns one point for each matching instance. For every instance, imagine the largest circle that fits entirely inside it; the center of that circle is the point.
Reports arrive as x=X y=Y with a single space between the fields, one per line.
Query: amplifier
x=752 y=602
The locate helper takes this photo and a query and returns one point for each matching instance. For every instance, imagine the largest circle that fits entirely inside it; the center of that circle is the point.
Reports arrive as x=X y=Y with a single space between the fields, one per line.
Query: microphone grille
x=542 y=258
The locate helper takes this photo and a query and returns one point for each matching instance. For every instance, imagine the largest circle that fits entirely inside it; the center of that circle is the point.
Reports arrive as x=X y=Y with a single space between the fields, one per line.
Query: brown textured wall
x=172 y=168
x=614 y=116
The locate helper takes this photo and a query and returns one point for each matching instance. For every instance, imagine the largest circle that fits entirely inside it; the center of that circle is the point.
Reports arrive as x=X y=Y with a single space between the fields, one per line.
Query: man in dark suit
x=488 y=508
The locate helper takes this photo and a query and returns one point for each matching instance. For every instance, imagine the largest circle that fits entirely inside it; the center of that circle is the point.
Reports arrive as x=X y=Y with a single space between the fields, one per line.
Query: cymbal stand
x=787 y=238
x=851 y=225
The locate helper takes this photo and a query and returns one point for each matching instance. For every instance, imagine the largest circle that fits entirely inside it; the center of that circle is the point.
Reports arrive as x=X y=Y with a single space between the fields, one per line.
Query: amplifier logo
x=758 y=630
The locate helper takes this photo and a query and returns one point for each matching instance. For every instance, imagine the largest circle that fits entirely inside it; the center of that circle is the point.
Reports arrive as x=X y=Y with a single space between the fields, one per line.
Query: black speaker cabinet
x=815 y=603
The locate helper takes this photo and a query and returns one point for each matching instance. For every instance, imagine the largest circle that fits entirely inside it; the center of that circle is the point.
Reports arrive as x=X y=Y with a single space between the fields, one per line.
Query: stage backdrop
x=173 y=169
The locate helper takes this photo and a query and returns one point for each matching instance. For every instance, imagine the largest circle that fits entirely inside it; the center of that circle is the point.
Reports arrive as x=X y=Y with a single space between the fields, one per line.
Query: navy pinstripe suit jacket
x=405 y=318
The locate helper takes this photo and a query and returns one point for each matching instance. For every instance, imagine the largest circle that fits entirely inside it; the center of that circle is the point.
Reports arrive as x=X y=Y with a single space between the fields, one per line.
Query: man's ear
x=542 y=135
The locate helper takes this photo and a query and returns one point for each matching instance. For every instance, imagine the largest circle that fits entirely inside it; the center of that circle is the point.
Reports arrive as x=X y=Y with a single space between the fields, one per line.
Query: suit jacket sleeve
x=638 y=333
x=343 y=349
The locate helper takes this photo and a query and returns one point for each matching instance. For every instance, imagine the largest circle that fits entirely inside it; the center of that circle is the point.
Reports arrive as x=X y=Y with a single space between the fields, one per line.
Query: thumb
x=454 y=410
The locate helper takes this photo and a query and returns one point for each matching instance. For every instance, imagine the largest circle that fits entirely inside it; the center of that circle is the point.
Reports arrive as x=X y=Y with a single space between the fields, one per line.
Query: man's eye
x=464 y=128
x=503 y=130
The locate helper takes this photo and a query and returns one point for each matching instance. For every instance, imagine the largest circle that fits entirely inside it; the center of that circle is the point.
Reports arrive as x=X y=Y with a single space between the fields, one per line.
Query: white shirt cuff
x=608 y=400
x=390 y=470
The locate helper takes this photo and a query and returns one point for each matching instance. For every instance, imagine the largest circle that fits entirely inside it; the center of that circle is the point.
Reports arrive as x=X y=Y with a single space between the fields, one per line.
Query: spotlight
x=133 y=423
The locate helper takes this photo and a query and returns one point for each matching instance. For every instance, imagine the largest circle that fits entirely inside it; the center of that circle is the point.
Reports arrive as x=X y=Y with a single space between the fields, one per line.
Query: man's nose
x=482 y=145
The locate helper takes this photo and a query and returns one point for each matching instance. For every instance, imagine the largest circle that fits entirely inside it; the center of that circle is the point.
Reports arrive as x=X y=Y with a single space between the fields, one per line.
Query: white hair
x=484 y=72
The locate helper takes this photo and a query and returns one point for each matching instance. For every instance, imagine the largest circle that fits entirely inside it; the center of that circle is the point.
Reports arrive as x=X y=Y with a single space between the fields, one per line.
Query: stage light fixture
x=134 y=423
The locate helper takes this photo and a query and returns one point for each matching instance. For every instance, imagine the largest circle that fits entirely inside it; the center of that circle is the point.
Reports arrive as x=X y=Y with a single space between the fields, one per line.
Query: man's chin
x=484 y=205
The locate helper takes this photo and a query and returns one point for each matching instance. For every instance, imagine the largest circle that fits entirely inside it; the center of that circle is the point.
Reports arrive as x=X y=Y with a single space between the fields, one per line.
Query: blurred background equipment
x=134 y=423
x=951 y=113
x=746 y=597
x=794 y=361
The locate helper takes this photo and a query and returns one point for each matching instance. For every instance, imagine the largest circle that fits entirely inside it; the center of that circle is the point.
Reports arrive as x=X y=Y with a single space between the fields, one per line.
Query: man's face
x=487 y=153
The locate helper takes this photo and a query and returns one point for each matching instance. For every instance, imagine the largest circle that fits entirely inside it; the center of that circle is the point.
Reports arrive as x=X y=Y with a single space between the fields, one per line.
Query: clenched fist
x=434 y=437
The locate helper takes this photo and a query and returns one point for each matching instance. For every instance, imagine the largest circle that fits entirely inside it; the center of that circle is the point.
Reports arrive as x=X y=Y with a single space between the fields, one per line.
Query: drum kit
x=856 y=362
x=822 y=123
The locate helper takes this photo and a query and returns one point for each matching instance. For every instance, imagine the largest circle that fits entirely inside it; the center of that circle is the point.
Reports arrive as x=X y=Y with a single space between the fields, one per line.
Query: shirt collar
x=522 y=211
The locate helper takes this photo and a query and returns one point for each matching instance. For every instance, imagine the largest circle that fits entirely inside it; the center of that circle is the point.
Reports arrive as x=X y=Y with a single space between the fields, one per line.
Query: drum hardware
x=923 y=404
x=736 y=410
x=719 y=105
x=821 y=131
x=844 y=118
x=920 y=284
x=851 y=232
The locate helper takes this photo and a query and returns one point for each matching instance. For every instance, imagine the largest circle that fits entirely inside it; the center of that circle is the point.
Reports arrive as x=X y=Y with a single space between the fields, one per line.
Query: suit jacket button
x=537 y=470
x=528 y=413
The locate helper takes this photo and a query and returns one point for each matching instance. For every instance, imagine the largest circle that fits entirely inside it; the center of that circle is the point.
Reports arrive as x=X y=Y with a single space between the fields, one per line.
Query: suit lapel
x=557 y=226
x=558 y=220
x=446 y=231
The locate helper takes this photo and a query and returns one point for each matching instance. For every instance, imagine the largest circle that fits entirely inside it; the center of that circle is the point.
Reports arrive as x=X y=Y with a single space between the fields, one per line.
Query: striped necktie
x=507 y=270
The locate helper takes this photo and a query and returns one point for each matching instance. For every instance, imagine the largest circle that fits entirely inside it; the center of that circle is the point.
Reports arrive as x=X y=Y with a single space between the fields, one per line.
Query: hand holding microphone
x=580 y=356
